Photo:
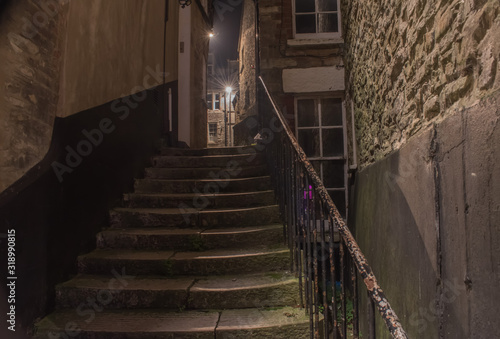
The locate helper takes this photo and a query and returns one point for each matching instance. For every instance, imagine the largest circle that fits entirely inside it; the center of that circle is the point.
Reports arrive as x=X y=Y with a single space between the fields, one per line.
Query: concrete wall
x=31 y=49
x=427 y=218
x=111 y=46
x=411 y=63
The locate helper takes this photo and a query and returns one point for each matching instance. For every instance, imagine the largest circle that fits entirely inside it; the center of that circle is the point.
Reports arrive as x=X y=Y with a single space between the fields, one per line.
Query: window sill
x=313 y=42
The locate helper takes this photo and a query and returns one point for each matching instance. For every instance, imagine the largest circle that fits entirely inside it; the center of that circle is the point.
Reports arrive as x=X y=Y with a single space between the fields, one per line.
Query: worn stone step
x=170 y=263
x=276 y=323
x=203 y=186
x=269 y=289
x=121 y=290
x=214 y=292
x=137 y=324
x=190 y=239
x=220 y=200
x=185 y=216
x=231 y=162
x=206 y=173
x=207 y=151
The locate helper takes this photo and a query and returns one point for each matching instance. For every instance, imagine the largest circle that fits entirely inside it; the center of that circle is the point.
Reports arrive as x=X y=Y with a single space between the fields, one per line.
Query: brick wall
x=411 y=63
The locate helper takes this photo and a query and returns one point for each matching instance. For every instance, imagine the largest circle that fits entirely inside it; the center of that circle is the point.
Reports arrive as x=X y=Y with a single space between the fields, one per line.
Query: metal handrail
x=375 y=292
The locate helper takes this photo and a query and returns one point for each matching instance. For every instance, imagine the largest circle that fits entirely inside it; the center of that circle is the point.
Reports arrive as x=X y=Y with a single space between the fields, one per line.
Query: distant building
x=221 y=103
x=298 y=53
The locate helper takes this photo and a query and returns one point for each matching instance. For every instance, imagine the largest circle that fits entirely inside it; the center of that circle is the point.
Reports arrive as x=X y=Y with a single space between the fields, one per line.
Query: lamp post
x=228 y=91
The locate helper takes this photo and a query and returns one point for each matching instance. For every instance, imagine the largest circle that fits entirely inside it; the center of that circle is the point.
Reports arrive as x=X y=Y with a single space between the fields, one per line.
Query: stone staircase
x=195 y=252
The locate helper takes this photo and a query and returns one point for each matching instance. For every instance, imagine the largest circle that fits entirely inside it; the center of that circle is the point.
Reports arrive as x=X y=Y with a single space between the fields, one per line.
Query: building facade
x=222 y=111
x=299 y=56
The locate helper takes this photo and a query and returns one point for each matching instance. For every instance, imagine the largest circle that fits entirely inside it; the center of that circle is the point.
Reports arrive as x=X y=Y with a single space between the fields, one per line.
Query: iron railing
x=311 y=221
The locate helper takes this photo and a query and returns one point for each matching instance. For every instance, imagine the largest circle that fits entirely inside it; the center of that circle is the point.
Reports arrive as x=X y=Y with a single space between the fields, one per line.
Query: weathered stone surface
x=184 y=216
x=443 y=55
x=206 y=173
x=233 y=162
x=154 y=324
x=221 y=200
x=190 y=239
x=231 y=261
x=206 y=186
x=245 y=291
x=283 y=323
x=132 y=293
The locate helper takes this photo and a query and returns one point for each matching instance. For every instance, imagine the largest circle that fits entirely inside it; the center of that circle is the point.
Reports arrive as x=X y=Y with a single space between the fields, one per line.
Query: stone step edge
x=140 y=321
x=120 y=281
x=188 y=210
x=193 y=195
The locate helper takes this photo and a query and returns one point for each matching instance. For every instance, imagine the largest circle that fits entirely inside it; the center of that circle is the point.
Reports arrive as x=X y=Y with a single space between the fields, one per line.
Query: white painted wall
x=313 y=79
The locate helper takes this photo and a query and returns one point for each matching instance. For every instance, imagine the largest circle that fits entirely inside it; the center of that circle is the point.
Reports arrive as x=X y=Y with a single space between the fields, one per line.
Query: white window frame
x=325 y=35
x=320 y=127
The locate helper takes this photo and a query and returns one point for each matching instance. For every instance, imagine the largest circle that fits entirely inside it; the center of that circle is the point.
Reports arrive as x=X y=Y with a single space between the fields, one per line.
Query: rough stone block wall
x=30 y=51
x=247 y=66
x=411 y=63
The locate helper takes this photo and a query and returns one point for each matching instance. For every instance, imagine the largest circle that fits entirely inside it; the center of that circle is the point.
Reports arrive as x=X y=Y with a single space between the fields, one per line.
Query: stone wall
x=217 y=117
x=411 y=63
x=31 y=47
x=247 y=64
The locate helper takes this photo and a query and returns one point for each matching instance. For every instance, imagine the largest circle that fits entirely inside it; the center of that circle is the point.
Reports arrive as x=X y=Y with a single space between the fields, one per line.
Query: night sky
x=227 y=17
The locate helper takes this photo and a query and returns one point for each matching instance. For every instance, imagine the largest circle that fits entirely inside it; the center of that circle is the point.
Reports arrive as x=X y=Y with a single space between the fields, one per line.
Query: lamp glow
x=229 y=89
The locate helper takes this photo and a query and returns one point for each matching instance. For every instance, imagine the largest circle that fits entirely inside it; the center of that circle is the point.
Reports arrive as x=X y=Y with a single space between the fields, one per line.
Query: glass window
x=210 y=104
x=316 y=17
x=212 y=132
x=321 y=134
x=217 y=101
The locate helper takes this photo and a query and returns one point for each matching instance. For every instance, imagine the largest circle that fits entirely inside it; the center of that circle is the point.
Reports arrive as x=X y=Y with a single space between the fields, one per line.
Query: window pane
x=333 y=173
x=317 y=167
x=304 y=6
x=307 y=113
x=209 y=101
x=309 y=141
x=333 y=142
x=305 y=23
x=328 y=22
x=327 y=5
x=338 y=198
x=217 y=101
x=331 y=112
